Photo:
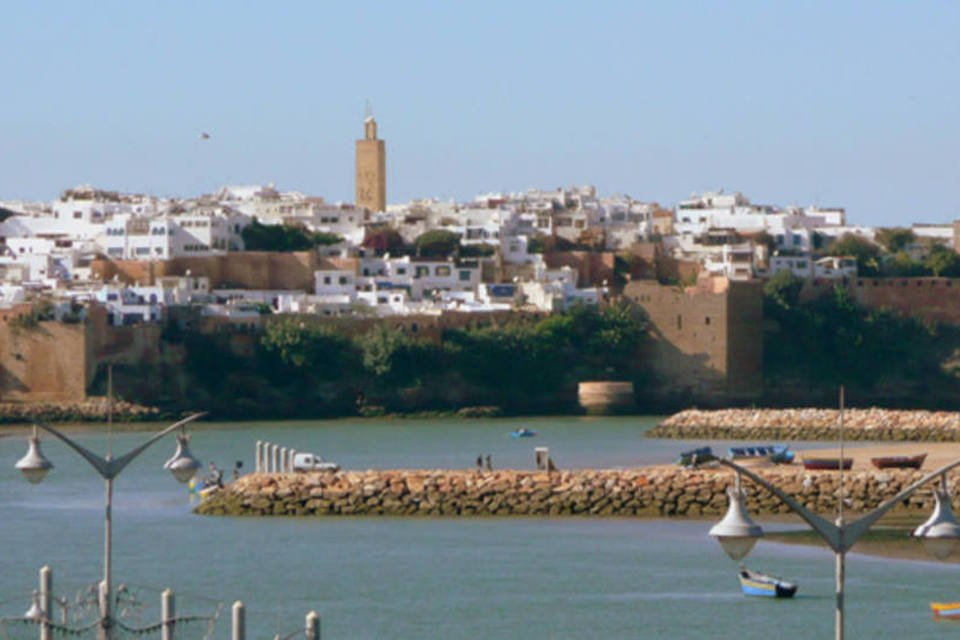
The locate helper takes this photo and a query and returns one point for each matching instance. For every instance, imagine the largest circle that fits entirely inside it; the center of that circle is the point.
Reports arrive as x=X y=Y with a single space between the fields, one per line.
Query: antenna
x=367 y=109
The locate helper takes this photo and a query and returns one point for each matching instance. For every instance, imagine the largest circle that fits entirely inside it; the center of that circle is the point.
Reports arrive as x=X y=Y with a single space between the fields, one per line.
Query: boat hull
x=899 y=462
x=764 y=586
x=946 y=611
x=826 y=464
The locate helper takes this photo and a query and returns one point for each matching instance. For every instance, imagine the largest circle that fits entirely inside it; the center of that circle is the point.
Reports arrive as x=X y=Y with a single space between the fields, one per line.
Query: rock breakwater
x=91 y=410
x=650 y=491
x=811 y=424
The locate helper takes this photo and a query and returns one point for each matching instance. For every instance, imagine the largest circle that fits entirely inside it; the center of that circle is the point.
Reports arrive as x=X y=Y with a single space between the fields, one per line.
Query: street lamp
x=183 y=465
x=940 y=533
x=737 y=533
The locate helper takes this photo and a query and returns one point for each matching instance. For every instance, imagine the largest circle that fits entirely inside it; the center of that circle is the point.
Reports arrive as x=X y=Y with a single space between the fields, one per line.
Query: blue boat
x=777 y=453
x=753 y=583
x=523 y=432
x=693 y=457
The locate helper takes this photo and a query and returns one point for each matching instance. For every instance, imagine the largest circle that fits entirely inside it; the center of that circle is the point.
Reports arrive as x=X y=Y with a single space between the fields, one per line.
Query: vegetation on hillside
x=280 y=237
x=820 y=344
x=305 y=369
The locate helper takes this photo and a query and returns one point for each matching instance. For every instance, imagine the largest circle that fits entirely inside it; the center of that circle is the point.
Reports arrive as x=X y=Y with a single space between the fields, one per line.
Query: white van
x=312 y=462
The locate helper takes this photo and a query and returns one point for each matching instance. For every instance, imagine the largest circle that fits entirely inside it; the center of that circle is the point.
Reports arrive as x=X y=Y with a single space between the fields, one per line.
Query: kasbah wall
x=57 y=362
x=705 y=339
x=929 y=299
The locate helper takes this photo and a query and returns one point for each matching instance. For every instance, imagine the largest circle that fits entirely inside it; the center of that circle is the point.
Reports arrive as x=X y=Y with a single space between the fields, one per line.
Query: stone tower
x=371 y=168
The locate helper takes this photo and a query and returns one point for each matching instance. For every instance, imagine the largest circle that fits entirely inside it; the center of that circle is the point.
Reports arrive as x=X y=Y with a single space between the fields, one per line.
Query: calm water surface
x=568 y=578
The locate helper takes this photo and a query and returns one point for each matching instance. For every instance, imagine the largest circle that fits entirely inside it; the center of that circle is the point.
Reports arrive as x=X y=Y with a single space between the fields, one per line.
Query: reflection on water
x=422 y=578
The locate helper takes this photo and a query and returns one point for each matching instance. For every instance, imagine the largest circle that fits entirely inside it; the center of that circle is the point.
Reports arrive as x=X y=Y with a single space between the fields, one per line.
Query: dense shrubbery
x=830 y=341
x=279 y=237
x=301 y=369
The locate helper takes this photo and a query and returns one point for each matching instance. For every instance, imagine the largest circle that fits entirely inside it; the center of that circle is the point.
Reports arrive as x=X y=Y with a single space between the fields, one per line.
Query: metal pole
x=46 y=594
x=168 y=611
x=840 y=570
x=274 y=458
x=259 y=457
x=313 y=626
x=105 y=605
x=239 y=622
x=283 y=460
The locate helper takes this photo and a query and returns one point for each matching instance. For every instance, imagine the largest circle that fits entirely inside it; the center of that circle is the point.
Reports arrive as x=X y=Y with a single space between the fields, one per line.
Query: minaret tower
x=371 y=167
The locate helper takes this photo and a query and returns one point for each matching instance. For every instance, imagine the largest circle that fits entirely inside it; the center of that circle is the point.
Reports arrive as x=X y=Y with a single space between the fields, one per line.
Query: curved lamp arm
x=858 y=527
x=826 y=529
x=110 y=469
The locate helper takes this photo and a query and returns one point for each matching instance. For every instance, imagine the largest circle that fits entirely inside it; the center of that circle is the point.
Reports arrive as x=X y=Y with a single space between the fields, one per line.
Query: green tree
x=784 y=289
x=895 y=239
x=437 y=243
x=275 y=237
x=865 y=252
x=308 y=346
x=901 y=265
x=943 y=262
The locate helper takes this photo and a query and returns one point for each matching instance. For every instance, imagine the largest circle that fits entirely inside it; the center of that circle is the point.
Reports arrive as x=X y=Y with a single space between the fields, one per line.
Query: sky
x=852 y=104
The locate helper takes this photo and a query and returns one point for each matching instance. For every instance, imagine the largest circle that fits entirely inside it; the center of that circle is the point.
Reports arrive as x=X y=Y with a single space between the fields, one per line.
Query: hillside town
x=234 y=258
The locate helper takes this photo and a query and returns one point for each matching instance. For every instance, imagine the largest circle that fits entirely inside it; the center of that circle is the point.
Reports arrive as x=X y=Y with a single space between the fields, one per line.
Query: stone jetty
x=90 y=410
x=811 y=424
x=645 y=492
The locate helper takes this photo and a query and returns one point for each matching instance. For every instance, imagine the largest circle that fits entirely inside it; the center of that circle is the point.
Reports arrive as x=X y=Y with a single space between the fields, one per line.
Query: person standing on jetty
x=489 y=464
x=480 y=462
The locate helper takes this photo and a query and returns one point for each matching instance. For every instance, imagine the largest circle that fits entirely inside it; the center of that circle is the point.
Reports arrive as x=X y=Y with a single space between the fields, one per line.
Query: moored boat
x=523 y=432
x=899 y=462
x=696 y=456
x=777 y=453
x=753 y=583
x=826 y=464
x=946 y=611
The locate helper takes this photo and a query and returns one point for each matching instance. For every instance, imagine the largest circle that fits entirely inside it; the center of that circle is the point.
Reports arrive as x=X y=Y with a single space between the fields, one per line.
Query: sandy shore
x=938 y=453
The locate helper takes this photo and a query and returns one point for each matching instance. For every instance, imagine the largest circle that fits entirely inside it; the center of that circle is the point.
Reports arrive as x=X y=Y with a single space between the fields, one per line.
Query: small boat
x=523 y=432
x=753 y=583
x=826 y=464
x=696 y=456
x=899 y=462
x=946 y=611
x=777 y=453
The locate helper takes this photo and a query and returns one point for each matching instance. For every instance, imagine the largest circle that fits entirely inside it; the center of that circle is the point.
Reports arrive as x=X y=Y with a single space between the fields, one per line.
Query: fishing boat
x=777 y=453
x=523 y=432
x=696 y=456
x=946 y=611
x=826 y=464
x=753 y=583
x=899 y=462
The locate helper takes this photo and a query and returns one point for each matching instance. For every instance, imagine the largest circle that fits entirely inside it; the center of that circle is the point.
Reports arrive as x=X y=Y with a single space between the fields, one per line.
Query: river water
x=570 y=578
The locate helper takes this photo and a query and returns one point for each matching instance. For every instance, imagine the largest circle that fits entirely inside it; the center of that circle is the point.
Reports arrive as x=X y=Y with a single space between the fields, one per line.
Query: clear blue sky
x=853 y=104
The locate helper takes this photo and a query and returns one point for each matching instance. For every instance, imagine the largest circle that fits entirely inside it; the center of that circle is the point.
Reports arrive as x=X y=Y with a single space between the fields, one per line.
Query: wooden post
x=168 y=611
x=238 y=631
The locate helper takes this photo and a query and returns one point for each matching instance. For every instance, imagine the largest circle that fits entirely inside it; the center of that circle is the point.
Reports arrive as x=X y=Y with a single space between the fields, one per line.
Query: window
x=142 y=251
x=679 y=321
x=422 y=271
x=343 y=280
x=77 y=215
x=464 y=275
x=401 y=271
x=706 y=320
x=443 y=271
x=796 y=241
x=326 y=280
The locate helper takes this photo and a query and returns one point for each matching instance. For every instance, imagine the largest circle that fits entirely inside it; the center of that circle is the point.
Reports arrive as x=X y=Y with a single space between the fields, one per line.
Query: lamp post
x=737 y=534
x=34 y=467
